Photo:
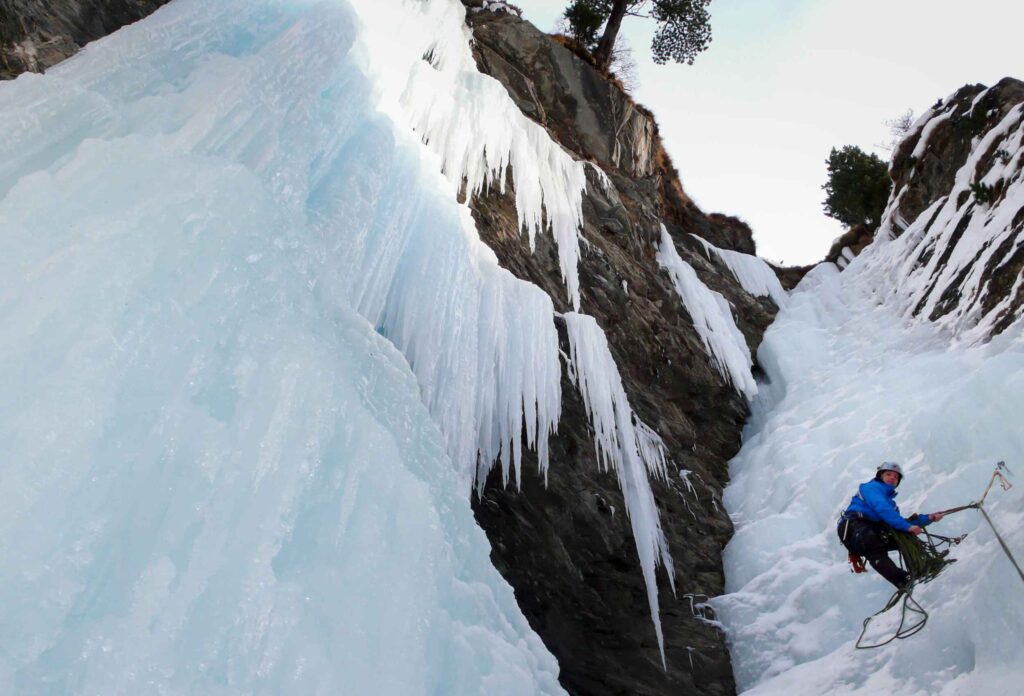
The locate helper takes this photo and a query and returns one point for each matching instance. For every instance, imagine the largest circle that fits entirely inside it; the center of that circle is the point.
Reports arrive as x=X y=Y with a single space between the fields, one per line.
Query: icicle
x=753 y=274
x=469 y=121
x=626 y=445
x=712 y=318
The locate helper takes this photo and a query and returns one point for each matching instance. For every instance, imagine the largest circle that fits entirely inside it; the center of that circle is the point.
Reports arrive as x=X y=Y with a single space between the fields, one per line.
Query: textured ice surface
x=217 y=472
x=712 y=318
x=853 y=383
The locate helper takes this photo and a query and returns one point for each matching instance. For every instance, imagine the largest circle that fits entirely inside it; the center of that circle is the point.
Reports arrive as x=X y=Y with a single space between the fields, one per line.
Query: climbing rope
x=925 y=559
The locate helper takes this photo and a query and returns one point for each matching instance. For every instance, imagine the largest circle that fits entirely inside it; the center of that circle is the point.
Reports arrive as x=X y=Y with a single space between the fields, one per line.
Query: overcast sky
x=750 y=124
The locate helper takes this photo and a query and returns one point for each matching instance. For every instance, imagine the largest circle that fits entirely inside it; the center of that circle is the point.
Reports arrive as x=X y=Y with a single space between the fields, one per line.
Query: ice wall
x=888 y=360
x=852 y=382
x=235 y=301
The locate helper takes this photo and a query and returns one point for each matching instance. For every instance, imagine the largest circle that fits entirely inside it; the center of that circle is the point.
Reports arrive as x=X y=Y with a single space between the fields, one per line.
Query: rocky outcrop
x=37 y=34
x=958 y=210
x=849 y=244
x=566 y=547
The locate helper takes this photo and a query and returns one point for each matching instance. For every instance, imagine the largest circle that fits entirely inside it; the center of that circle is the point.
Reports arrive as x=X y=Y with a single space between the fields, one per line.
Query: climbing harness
x=924 y=560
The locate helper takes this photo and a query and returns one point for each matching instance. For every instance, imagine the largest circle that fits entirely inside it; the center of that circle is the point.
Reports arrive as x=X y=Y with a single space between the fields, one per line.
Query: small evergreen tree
x=857 y=188
x=585 y=18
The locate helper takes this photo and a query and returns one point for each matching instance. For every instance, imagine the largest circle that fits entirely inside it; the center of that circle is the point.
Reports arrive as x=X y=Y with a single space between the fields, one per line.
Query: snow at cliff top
x=854 y=383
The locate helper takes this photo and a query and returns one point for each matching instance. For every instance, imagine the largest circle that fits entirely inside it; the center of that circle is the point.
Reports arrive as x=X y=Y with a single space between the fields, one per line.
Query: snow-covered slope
x=853 y=385
x=887 y=361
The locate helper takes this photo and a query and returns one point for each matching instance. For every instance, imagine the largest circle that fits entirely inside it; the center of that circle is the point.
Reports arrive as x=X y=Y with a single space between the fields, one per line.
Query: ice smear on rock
x=216 y=475
x=753 y=273
x=712 y=318
x=854 y=383
x=624 y=443
x=473 y=125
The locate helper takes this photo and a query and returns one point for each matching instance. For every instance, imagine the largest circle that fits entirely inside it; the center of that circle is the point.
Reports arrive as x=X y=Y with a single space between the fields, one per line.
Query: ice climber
x=864 y=525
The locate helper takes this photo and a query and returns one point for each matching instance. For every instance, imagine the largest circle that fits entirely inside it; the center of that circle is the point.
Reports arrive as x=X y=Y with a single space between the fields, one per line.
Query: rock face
x=37 y=34
x=957 y=210
x=567 y=548
x=959 y=178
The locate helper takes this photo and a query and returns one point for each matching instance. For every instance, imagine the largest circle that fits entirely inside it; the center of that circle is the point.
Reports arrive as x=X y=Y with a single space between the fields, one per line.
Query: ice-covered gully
x=914 y=353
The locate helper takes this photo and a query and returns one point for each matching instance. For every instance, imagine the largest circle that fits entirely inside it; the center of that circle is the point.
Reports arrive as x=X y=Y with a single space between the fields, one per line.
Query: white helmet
x=889 y=466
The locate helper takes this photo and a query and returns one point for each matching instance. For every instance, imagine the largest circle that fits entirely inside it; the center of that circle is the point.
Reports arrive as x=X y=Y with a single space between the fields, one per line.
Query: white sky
x=750 y=124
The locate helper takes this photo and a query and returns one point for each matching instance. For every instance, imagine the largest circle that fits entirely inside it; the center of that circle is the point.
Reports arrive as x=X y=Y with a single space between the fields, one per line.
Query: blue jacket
x=875 y=501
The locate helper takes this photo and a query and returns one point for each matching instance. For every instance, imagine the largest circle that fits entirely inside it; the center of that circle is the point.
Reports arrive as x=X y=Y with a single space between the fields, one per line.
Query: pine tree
x=684 y=27
x=857 y=188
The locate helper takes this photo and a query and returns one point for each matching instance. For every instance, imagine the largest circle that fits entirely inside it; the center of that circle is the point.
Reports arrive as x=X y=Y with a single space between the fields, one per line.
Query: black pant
x=870 y=540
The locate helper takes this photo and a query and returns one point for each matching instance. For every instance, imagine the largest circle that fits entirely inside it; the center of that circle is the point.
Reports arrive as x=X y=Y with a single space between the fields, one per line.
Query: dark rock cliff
x=37 y=34
x=567 y=548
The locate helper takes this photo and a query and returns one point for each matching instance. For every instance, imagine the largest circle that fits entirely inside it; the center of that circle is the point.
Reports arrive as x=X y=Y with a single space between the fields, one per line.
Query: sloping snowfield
x=853 y=383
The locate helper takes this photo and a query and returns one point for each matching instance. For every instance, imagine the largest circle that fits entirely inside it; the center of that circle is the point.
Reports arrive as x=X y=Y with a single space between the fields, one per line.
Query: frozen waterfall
x=233 y=295
x=255 y=357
